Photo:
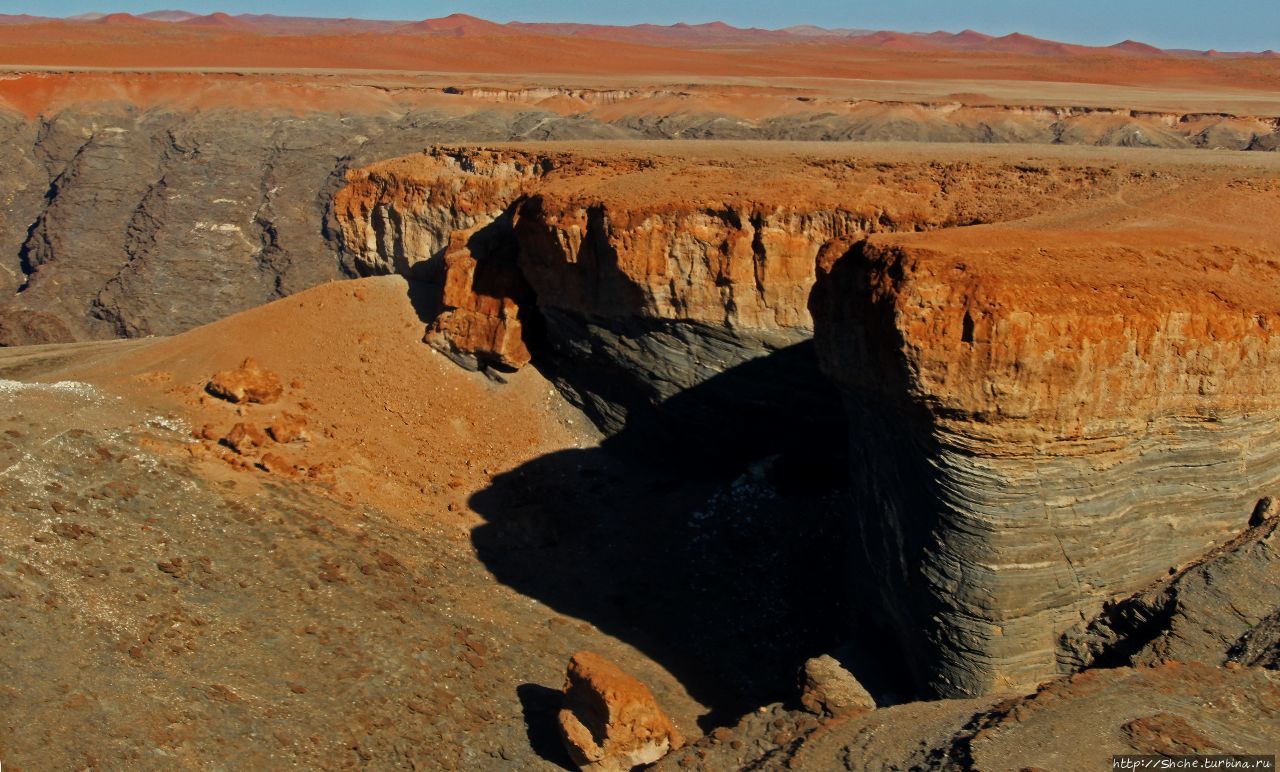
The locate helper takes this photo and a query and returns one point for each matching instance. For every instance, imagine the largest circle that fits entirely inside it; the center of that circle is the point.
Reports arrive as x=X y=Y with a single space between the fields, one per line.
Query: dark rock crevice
x=719 y=561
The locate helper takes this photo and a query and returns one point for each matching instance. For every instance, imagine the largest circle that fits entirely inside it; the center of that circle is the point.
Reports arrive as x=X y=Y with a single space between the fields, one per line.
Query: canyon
x=821 y=399
x=984 y=456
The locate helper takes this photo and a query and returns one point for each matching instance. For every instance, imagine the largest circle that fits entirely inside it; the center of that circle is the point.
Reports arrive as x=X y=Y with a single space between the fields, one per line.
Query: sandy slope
x=208 y=613
x=403 y=428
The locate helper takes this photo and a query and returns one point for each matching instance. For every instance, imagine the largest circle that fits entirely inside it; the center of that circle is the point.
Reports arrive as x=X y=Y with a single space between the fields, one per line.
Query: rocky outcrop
x=124 y=222
x=1068 y=723
x=827 y=688
x=1040 y=425
x=1221 y=608
x=610 y=721
x=454 y=228
x=250 y=382
x=120 y=222
x=1084 y=720
x=1260 y=646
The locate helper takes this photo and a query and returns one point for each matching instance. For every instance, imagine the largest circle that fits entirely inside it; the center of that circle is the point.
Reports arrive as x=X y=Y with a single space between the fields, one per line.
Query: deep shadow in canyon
x=724 y=560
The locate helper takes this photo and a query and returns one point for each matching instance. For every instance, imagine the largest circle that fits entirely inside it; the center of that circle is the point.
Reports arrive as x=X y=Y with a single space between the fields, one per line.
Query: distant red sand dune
x=457 y=25
x=127 y=19
x=218 y=20
x=709 y=34
x=466 y=44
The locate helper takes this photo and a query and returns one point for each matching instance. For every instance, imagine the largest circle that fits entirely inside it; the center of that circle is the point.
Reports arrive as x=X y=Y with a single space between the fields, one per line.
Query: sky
x=1223 y=25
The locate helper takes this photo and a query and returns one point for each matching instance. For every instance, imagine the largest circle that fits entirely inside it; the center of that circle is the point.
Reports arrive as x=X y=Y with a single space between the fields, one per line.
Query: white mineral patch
x=72 y=388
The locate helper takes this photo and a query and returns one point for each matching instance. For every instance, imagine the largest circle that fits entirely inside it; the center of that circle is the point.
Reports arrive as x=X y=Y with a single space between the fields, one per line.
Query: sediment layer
x=649 y=275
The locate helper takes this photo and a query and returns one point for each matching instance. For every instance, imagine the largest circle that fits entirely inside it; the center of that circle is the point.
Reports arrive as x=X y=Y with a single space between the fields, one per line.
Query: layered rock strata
x=1042 y=415
x=138 y=204
x=656 y=282
x=126 y=222
x=1042 y=424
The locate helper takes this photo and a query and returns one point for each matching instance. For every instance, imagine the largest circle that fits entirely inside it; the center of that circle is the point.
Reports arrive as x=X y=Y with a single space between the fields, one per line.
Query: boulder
x=288 y=427
x=250 y=382
x=244 y=438
x=828 y=689
x=610 y=721
x=273 y=463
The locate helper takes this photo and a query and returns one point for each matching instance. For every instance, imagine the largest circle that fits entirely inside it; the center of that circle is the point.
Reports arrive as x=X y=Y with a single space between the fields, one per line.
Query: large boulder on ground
x=828 y=689
x=610 y=721
x=250 y=382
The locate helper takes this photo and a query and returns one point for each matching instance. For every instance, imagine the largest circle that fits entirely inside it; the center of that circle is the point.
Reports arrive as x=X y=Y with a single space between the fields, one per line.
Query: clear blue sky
x=1224 y=24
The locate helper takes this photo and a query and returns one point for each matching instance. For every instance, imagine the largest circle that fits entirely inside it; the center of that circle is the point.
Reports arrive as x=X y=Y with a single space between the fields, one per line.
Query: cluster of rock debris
x=272 y=448
x=1191 y=665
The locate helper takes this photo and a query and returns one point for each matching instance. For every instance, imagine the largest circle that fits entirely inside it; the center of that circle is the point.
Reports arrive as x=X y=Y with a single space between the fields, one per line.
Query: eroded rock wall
x=1025 y=451
x=129 y=221
x=120 y=222
x=658 y=282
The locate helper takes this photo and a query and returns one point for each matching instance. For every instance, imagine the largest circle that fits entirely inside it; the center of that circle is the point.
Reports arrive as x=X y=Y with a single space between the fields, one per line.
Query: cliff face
x=124 y=222
x=1041 y=415
x=1043 y=418
x=651 y=275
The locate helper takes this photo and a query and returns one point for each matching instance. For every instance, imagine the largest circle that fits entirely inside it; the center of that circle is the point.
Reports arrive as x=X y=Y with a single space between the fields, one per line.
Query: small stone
x=73 y=530
x=244 y=438
x=278 y=465
x=289 y=428
x=322 y=472
x=828 y=689
x=174 y=566
x=1266 y=509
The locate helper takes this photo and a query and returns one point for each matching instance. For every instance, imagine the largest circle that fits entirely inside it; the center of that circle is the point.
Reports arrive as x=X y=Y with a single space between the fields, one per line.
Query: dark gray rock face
x=1260 y=647
x=125 y=223
x=22 y=191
